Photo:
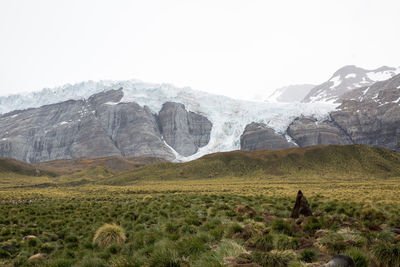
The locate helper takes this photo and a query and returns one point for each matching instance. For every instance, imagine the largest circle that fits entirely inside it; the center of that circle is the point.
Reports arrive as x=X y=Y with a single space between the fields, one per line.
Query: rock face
x=371 y=115
x=346 y=79
x=257 y=136
x=184 y=131
x=306 y=131
x=97 y=127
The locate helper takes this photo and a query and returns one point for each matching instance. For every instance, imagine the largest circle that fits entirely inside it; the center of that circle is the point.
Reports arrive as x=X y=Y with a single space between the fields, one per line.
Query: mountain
x=356 y=161
x=100 y=127
x=136 y=119
x=132 y=118
x=345 y=80
x=291 y=93
x=367 y=115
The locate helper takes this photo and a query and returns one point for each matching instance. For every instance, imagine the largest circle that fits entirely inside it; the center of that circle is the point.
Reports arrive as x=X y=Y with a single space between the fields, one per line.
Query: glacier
x=229 y=116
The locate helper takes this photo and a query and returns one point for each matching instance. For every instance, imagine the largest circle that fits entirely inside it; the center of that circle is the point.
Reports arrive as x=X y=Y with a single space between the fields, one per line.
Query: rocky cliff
x=367 y=115
x=185 y=131
x=307 y=131
x=371 y=115
x=257 y=136
x=97 y=127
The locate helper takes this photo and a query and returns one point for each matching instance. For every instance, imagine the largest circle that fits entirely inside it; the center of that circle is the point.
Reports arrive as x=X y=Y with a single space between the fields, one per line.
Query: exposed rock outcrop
x=184 y=131
x=258 y=136
x=97 y=127
x=306 y=131
x=371 y=115
x=347 y=79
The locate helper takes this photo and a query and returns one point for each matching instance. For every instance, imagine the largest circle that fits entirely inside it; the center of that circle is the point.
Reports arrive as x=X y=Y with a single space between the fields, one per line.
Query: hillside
x=334 y=161
x=13 y=166
x=115 y=164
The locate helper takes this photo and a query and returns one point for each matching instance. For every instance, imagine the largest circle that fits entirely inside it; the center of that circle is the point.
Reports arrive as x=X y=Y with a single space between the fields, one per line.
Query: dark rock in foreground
x=301 y=206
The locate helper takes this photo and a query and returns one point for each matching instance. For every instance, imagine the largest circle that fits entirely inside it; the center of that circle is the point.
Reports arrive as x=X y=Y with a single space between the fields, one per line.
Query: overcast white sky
x=235 y=48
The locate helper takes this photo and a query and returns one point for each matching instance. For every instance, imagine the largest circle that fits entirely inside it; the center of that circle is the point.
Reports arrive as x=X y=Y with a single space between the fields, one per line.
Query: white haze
x=234 y=48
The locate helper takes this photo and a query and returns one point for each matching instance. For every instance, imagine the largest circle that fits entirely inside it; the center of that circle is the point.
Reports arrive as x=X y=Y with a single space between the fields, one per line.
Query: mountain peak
x=346 y=79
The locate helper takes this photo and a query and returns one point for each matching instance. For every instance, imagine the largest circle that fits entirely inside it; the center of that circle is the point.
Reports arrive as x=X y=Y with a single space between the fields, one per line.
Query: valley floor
x=195 y=223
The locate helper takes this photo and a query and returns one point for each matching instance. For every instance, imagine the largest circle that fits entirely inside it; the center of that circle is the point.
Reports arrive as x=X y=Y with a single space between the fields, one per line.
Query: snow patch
x=351 y=75
x=336 y=81
x=380 y=75
x=112 y=103
x=63 y=122
x=397 y=101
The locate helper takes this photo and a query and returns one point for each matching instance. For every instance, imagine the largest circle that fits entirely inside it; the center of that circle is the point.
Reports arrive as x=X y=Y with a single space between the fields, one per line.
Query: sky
x=229 y=47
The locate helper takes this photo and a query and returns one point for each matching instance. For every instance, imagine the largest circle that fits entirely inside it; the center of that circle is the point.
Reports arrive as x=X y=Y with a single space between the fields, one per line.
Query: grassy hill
x=356 y=161
x=115 y=164
x=13 y=166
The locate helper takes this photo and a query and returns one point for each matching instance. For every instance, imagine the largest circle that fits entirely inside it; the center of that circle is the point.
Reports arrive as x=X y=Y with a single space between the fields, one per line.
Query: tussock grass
x=109 y=234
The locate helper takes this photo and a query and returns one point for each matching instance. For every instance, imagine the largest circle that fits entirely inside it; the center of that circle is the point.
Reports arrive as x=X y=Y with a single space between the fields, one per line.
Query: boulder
x=301 y=206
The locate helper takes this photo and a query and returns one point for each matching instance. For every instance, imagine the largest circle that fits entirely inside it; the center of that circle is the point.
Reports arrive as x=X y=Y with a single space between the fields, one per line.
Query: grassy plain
x=169 y=220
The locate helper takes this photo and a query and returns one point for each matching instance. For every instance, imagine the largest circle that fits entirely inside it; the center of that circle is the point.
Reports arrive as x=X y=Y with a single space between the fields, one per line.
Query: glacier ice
x=229 y=116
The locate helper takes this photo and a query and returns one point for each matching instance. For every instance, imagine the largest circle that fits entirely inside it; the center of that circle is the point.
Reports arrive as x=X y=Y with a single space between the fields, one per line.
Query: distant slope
x=291 y=93
x=346 y=79
x=13 y=166
x=356 y=161
x=115 y=164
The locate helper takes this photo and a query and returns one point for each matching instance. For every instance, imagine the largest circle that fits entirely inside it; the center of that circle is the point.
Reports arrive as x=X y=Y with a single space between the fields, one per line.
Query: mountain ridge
x=347 y=79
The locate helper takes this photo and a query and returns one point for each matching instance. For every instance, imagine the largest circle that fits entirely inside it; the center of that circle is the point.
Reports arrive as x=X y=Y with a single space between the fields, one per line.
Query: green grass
x=183 y=230
x=172 y=214
x=356 y=161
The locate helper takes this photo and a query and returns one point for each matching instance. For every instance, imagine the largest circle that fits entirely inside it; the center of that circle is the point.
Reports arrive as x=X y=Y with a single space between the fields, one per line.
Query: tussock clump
x=387 y=255
x=109 y=234
x=359 y=257
x=274 y=258
x=309 y=255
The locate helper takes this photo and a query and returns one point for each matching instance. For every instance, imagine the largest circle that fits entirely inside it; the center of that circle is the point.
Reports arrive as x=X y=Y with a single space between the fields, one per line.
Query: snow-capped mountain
x=346 y=79
x=228 y=116
x=291 y=93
